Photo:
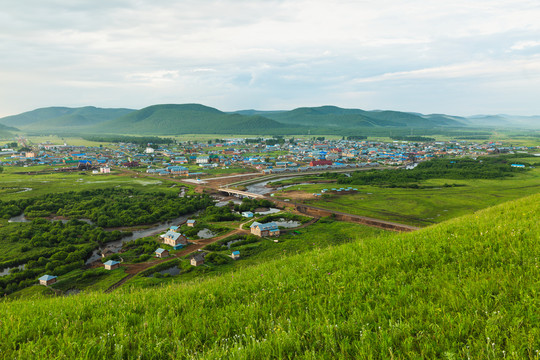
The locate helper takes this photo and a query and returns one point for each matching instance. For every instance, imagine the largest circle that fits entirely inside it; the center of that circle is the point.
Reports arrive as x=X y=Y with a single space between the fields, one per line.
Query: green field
x=15 y=180
x=466 y=288
x=423 y=206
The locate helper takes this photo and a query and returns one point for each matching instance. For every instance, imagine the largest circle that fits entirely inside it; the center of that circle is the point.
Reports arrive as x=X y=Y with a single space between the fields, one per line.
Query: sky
x=459 y=57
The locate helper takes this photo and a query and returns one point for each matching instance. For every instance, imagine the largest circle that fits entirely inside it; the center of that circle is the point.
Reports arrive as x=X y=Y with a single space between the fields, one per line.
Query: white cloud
x=522 y=45
x=240 y=53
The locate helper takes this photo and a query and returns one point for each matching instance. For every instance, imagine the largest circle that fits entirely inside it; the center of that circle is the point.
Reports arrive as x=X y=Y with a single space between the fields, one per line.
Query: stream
x=115 y=246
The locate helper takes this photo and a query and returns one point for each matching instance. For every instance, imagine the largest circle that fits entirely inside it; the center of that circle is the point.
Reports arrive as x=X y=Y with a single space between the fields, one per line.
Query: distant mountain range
x=173 y=119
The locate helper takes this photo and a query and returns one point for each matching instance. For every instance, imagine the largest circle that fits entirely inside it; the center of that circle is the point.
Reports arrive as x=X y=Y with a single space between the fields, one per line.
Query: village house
x=161 y=253
x=235 y=255
x=111 y=265
x=47 y=280
x=247 y=214
x=178 y=170
x=202 y=160
x=105 y=170
x=197 y=259
x=174 y=239
x=191 y=223
x=268 y=229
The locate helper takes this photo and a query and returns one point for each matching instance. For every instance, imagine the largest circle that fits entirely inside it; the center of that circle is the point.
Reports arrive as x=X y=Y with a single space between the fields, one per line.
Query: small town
x=271 y=155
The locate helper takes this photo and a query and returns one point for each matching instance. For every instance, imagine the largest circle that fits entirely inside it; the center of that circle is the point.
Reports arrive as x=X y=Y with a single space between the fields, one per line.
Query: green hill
x=7 y=128
x=466 y=288
x=170 y=119
x=6 y=131
x=332 y=116
x=62 y=118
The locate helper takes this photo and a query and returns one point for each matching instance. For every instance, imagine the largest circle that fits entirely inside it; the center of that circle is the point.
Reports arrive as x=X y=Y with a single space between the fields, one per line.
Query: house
x=320 y=162
x=149 y=150
x=191 y=223
x=178 y=170
x=105 y=170
x=174 y=239
x=247 y=214
x=197 y=259
x=203 y=160
x=235 y=255
x=161 y=253
x=268 y=229
x=111 y=265
x=47 y=280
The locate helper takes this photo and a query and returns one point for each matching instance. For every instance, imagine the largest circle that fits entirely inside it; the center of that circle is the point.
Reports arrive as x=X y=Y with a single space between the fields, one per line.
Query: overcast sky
x=460 y=57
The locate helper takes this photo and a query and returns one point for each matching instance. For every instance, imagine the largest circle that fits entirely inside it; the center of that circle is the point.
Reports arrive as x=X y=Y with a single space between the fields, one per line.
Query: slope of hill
x=7 y=128
x=333 y=116
x=187 y=119
x=6 y=131
x=466 y=288
x=62 y=117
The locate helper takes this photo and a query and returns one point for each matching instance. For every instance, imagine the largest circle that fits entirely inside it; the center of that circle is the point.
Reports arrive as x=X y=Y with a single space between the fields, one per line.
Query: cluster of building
x=190 y=158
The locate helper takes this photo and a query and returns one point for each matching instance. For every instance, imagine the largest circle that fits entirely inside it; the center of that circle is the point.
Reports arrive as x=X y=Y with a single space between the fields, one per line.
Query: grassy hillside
x=62 y=117
x=187 y=118
x=7 y=128
x=466 y=288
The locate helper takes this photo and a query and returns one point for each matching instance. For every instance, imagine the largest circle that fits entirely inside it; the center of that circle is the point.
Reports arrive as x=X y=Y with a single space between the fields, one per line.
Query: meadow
x=432 y=202
x=465 y=288
x=23 y=183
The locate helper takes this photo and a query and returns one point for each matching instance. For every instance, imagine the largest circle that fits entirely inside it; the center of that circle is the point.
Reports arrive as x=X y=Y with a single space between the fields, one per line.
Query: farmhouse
x=111 y=265
x=47 y=280
x=268 y=229
x=235 y=255
x=197 y=259
x=191 y=223
x=161 y=253
x=174 y=239
x=105 y=170
x=247 y=214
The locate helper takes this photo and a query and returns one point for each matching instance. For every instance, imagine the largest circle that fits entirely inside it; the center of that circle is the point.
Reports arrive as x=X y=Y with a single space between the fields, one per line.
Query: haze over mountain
x=171 y=119
x=62 y=117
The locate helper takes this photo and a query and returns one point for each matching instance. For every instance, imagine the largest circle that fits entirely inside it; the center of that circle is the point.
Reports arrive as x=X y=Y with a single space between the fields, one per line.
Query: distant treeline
x=141 y=140
x=482 y=168
x=412 y=138
x=472 y=137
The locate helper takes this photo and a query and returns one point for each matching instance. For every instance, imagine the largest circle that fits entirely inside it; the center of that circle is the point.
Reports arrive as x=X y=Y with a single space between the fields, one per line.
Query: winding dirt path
x=134 y=269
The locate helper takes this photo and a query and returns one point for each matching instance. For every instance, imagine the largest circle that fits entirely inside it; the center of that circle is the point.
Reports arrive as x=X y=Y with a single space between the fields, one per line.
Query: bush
x=217 y=259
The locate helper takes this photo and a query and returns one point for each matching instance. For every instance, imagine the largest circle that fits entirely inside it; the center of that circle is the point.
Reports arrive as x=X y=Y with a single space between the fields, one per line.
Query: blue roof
x=47 y=277
x=236 y=252
x=190 y=221
x=174 y=227
x=160 y=250
x=172 y=235
x=268 y=226
x=111 y=263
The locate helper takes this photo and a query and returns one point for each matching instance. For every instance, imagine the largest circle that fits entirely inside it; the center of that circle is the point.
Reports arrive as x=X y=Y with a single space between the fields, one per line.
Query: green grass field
x=426 y=206
x=466 y=288
x=15 y=182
